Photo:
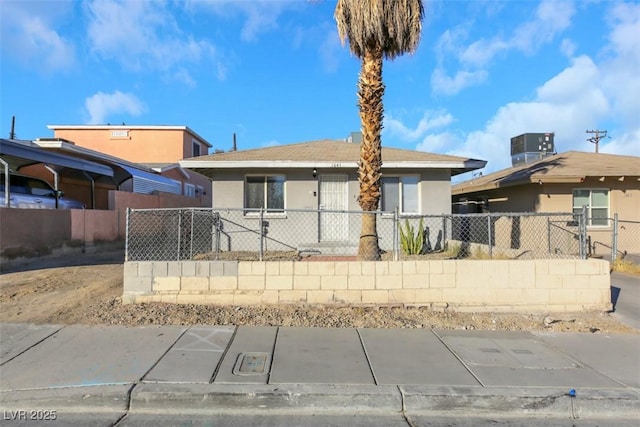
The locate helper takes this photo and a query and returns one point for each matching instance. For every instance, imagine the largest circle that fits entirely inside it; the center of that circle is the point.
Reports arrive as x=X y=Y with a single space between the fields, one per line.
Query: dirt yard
x=87 y=290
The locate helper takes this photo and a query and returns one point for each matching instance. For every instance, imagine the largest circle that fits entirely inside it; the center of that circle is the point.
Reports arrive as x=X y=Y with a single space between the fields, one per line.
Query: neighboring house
x=156 y=147
x=323 y=175
x=606 y=184
x=25 y=157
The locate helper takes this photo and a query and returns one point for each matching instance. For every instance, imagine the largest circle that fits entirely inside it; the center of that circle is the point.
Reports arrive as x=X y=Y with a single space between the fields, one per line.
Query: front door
x=334 y=226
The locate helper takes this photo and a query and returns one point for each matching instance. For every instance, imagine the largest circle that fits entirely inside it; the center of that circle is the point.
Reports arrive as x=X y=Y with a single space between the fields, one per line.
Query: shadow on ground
x=112 y=256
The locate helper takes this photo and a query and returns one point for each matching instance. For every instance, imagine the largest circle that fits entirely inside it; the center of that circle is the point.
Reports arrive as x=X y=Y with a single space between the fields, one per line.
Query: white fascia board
x=221 y=164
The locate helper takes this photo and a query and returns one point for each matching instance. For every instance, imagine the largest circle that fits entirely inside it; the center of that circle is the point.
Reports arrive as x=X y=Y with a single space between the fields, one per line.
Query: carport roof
x=24 y=153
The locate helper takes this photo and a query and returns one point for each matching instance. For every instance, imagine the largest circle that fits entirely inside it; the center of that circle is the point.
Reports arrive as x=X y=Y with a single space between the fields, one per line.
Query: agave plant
x=410 y=240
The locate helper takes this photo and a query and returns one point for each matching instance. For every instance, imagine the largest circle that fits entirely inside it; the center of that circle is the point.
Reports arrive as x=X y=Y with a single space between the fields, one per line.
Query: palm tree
x=376 y=29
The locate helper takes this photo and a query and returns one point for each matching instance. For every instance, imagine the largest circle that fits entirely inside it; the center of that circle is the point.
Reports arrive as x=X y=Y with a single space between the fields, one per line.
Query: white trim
x=272 y=164
x=128 y=127
x=166 y=168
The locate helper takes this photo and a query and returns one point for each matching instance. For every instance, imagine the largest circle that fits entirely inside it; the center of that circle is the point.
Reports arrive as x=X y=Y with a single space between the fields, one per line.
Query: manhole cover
x=252 y=364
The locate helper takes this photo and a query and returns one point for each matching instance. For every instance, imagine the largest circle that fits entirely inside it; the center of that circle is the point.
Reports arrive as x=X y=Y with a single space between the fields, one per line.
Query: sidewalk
x=202 y=370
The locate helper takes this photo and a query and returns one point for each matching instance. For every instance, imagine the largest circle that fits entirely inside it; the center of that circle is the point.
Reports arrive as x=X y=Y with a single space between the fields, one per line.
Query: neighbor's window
x=196 y=149
x=597 y=203
x=189 y=190
x=265 y=192
x=400 y=192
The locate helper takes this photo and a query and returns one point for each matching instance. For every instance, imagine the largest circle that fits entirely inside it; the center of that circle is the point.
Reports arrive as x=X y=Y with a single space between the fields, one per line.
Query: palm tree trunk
x=370 y=92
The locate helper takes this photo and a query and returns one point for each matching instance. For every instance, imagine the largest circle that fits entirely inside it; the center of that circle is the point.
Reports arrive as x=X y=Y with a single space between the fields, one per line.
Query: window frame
x=189 y=190
x=590 y=206
x=401 y=184
x=266 y=211
x=195 y=144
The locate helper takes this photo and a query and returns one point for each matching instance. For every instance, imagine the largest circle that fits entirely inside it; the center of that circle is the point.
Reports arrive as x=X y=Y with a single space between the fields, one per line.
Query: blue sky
x=274 y=72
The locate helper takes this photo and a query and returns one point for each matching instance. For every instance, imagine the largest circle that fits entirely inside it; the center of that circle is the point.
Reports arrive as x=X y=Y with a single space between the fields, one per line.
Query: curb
x=208 y=399
x=445 y=401
x=220 y=398
x=511 y=401
x=105 y=398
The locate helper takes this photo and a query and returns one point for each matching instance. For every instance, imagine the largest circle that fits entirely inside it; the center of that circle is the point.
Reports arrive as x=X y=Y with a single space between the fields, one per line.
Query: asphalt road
x=625 y=296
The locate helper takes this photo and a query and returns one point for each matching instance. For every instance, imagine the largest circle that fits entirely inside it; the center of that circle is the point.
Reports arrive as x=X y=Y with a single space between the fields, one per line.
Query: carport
x=128 y=176
x=16 y=154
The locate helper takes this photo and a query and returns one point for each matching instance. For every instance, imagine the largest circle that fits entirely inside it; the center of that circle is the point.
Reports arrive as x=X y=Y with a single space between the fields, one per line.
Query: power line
x=596 y=139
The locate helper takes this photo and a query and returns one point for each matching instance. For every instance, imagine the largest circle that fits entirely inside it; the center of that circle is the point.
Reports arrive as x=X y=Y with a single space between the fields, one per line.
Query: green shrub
x=410 y=240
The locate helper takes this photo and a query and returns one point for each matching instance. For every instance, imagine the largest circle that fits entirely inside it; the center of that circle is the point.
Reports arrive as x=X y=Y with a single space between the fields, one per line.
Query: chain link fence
x=616 y=240
x=245 y=234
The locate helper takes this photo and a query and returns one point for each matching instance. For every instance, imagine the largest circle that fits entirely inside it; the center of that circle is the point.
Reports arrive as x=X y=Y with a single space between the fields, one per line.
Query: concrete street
x=625 y=296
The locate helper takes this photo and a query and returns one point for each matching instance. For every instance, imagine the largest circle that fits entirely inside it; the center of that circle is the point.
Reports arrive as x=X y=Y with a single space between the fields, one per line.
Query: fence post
x=396 y=239
x=489 y=236
x=583 y=233
x=261 y=228
x=445 y=238
x=127 y=235
x=179 y=232
x=191 y=237
x=549 y=233
x=614 y=244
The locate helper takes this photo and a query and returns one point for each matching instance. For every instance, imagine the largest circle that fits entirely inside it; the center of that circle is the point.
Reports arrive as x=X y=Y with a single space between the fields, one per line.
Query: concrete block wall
x=461 y=285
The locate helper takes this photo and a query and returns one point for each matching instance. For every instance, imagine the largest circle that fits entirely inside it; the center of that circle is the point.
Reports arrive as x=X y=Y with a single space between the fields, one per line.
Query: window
x=400 y=192
x=196 y=149
x=266 y=192
x=597 y=203
x=189 y=190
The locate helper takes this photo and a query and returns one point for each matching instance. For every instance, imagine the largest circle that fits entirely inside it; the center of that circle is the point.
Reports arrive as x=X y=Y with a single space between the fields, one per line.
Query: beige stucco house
x=606 y=184
x=322 y=175
x=156 y=147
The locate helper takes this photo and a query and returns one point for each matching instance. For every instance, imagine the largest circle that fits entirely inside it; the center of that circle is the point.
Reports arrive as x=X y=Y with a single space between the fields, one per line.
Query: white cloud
x=260 y=16
x=568 y=48
x=330 y=51
x=430 y=120
x=102 y=105
x=551 y=18
x=28 y=33
x=446 y=85
x=143 y=35
x=621 y=67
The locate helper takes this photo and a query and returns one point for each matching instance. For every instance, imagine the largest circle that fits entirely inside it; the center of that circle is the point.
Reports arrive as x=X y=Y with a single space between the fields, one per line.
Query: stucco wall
x=515 y=286
x=34 y=228
x=302 y=192
x=141 y=145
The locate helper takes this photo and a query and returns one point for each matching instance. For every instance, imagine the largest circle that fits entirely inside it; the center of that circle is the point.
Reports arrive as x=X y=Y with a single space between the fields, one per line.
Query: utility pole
x=596 y=139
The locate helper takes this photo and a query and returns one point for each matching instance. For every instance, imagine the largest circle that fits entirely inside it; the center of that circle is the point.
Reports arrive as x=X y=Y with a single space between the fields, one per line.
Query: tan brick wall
x=462 y=285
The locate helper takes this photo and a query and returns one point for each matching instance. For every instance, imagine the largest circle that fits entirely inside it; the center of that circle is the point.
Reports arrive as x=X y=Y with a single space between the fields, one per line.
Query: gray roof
x=327 y=153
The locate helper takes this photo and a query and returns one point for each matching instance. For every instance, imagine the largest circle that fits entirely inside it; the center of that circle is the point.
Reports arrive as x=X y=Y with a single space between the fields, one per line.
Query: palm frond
x=392 y=26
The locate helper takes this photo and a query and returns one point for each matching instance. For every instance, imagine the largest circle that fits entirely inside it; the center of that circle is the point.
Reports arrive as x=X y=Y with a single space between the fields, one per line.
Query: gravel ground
x=88 y=292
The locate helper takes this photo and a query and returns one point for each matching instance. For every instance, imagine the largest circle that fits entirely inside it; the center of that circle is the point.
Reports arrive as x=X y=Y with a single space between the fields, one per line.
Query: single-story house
x=606 y=184
x=322 y=175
